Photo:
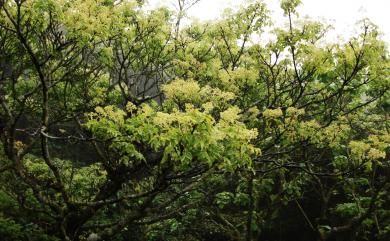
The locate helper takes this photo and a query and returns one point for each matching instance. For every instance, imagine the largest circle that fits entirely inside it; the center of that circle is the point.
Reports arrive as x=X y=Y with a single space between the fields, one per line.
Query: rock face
x=93 y=237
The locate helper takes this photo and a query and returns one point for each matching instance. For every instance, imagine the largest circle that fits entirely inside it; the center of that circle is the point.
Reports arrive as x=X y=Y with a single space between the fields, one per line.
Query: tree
x=121 y=124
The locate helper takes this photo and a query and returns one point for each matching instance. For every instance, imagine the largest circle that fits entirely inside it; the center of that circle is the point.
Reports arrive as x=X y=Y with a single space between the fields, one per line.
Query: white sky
x=343 y=14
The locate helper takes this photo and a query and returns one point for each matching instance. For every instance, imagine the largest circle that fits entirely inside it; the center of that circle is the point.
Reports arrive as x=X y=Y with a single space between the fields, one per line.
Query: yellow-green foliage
x=190 y=135
x=189 y=91
x=179 y=127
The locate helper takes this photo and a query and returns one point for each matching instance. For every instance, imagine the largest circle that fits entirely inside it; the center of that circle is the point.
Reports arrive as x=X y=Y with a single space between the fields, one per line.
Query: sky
x=342 y=14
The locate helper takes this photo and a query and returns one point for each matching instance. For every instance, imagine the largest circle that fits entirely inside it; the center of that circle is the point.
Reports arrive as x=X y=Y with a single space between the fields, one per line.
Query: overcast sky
x=343 y=14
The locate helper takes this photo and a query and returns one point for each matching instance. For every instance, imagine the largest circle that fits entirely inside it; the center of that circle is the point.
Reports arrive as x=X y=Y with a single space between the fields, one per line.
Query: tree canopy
x=118 y=123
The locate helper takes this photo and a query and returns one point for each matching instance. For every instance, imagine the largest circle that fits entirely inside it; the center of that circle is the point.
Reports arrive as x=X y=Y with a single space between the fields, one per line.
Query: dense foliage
x=118 y=123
